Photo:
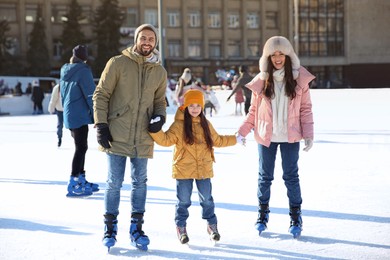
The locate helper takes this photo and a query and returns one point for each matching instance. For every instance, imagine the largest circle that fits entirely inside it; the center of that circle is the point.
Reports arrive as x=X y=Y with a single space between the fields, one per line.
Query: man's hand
x=156 y=123
x=103 y=135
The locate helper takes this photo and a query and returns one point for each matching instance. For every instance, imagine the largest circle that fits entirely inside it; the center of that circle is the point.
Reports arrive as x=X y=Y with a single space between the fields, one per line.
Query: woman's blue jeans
x=116 y=173
x=290 y=156
x=184 y=192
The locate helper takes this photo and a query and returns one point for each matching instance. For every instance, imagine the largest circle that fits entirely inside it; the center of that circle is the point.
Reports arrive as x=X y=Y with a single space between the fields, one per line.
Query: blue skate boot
x=295 y=222
x=262 y=220
x=94 y=187
x=76 y=188
x=110 y=231
x=137 y=236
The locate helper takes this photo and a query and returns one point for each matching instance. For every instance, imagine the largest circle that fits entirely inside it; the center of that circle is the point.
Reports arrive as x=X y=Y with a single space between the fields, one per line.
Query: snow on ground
x=344 y=178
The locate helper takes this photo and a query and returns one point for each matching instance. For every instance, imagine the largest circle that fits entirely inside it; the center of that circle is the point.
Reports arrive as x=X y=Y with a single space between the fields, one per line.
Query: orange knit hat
x=193 y=96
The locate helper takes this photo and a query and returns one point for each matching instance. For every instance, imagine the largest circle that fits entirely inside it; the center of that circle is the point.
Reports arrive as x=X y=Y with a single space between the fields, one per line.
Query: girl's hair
x=188 y=134
x=291 y=84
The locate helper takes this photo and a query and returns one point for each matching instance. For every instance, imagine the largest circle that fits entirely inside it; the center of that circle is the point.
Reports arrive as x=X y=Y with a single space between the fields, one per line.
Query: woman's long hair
x=189 y=135
x=269 y=91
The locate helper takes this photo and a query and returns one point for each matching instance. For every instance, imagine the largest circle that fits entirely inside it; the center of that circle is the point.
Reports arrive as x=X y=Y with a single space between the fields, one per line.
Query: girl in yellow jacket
x=194 y=138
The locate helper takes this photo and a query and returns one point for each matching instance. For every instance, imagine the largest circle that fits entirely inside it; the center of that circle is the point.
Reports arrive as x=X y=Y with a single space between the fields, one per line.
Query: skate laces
x=110 y=228
x=181 y=231
x=263 y=217
x=182 y=234
x=296 y=219
x=212 y=228
x=137 y=232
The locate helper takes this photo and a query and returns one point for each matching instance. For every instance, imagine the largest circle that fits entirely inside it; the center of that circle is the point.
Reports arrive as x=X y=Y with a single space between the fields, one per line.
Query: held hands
x=240 y=139
x=103 y=135
x=156 y=123
x=308 y=144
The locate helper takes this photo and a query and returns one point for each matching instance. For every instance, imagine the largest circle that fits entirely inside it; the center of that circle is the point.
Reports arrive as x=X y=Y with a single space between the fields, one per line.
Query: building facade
x=345 y=43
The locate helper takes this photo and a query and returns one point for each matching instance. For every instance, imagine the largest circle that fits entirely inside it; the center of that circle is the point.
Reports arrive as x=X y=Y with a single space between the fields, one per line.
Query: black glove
x=156 y=123
x=103 y=135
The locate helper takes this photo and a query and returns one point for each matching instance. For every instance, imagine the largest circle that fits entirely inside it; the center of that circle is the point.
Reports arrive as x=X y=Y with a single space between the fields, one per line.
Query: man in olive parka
x=130 y=93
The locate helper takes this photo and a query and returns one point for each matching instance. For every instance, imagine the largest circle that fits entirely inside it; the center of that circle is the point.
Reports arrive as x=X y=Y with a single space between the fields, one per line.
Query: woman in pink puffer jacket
x=281 y=116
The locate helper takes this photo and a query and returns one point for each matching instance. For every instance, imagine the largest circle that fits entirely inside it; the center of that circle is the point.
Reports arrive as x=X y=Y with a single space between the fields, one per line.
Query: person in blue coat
x=77 y=87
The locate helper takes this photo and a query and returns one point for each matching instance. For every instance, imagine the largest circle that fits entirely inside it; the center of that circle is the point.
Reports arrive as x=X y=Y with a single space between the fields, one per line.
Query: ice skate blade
x=139 y=246
x=260 y=227
x=71 y=195
x=213 y=242
x=296 y=235
x=109 y=242
x=295 y=232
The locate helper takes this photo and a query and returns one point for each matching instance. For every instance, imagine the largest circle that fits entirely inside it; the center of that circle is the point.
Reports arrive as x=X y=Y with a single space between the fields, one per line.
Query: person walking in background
x=281 y=116
x=130 y=92
x=238 y=96
x=55 y=107
x=76 y=88
x=28 y=88
x=18 y=89
x=37 y=97
x=210 y=101
x=186 y=82
x=244 y=79
x=194 y=138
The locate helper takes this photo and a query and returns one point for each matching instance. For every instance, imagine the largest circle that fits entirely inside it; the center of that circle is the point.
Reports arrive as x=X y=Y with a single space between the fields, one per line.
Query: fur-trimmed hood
x=278 y=43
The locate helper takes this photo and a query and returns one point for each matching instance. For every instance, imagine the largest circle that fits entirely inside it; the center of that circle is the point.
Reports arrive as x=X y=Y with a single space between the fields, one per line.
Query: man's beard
x=144 y=52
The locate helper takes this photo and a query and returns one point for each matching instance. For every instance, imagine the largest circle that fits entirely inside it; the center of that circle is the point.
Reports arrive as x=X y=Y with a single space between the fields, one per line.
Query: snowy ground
x=345 y=184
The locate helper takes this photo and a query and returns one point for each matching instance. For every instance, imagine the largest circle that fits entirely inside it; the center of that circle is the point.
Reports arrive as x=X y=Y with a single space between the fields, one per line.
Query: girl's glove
x=308 y=144
x=240 y=139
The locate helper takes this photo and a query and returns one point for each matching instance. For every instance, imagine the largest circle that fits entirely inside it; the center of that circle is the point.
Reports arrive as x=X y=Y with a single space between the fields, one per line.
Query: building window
x=214 y=20
x=12 y=46
x=194 y=48
x=234 y=48
x=57 y=49
x=151 y=17
x=327 y=76
x=254 y=48
x=194 y=19
x=58 y=14
x=253 y=21
x=215 y=49
x=233 y=20
x=8 y=12
x=173 y=18
x=31 y=13
x=174 y=48
x=87 y=15
x=131 y=19
x=321 y=28
x=271 y=20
